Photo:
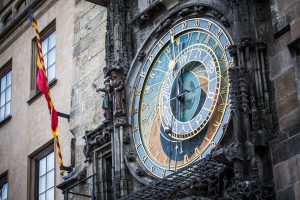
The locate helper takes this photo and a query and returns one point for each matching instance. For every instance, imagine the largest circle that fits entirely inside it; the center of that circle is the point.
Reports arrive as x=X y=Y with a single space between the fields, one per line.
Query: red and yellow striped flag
x=44 y=88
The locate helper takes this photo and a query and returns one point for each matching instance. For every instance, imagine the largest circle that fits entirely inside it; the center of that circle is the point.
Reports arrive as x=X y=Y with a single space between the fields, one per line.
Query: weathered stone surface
x=290 y=122
x=89 y=16
x=285 y=83
x=286 y=173
x=82 y=8
x=297 y=189
x=280 y=62
x=88 y=58
x=286 y=149
x=286 y=194
x=287 y=105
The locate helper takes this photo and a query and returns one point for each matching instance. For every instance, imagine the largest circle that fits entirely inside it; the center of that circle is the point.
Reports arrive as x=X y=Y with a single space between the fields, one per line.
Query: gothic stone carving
x=107 y=101
x=96 y=138
x=117 y=84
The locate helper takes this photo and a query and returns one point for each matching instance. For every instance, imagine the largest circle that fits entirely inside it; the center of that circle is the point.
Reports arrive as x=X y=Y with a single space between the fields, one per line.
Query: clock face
x=180 y=103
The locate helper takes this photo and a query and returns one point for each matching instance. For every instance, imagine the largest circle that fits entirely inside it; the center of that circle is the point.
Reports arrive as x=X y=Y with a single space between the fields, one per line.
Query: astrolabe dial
x=180 y=103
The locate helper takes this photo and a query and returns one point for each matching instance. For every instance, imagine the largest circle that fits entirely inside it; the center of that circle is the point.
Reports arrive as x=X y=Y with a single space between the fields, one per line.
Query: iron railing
x=70 y=190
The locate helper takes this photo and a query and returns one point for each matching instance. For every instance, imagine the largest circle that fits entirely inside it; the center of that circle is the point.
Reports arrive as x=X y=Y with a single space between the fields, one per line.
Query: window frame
x=33 y=169
x=38 y=176
x=4 y=70
x=45 y=33
x=3 y=181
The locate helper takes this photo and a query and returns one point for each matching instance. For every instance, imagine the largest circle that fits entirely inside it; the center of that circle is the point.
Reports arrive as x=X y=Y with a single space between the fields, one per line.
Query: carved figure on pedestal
x=117 y=84
x=107 y=100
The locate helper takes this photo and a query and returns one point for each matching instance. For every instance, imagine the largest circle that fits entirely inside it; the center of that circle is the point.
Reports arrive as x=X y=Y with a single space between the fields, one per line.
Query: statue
x=117 y=85
x=107 y=100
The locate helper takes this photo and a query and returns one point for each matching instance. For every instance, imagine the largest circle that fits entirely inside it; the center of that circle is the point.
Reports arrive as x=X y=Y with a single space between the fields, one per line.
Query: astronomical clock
x=180 y=101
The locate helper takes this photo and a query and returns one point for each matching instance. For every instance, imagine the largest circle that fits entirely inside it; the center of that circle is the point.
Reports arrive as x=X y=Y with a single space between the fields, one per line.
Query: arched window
x=20 y=5
x=7 y=17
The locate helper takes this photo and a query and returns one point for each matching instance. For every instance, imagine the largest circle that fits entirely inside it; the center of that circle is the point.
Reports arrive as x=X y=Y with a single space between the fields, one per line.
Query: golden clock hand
x=188 y=91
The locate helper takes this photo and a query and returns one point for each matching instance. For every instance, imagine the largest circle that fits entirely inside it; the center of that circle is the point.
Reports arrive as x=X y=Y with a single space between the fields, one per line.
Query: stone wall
x=88 y=57
x=283 y=71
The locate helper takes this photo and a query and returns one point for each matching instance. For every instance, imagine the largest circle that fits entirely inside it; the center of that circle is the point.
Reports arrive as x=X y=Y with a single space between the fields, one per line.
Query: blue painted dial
x=181 y=99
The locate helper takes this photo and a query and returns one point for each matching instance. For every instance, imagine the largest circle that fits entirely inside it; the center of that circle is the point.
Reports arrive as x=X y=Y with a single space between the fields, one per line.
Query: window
x=7 y=18
x=20 y=6
x=48 y=48
x=3 y=187
x=48 y=39
x=41 y=173
x=4 y=191
x=5 y=92
x=46 y=177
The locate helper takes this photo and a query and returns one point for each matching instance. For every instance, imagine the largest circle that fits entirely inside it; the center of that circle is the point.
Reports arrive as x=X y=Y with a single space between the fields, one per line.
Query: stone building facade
x=103 y=47
x=259 y=147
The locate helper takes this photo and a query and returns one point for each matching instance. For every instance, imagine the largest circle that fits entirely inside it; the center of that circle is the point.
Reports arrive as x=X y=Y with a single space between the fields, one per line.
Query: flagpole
x=42 y=83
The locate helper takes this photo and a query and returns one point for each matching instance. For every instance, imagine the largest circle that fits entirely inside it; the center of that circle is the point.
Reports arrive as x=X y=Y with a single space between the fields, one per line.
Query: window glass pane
x=50 y=162
x=45 y=61
x=8 y=78
x=3 y=83
x=45 y=46
x=42 y=167
x=52 y=40
x=51 y=73
x=50 y=194
x=2 y=99
x=4 y=191
x=42 y=184
x=51 y=57
x=7 y=109
x=50 y=179
x=42 y=197
x=8 y=94
x=2 y=113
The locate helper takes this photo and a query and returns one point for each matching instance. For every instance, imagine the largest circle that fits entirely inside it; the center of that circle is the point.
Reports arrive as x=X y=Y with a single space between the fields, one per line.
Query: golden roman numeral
x=213 y=143
x=145 y=157
x=221 y=109
x=172 y=35
x=152 y=168
x=134 y=111
x=214 y=46
x=135 y=128
x=186 y=159
x=207 y=39
x=152 y=75
x=166 y=159
x=151 y=57
x=143 y=74
x=138 y=145
x=183 y=25
x=208 y=26
x=144 y=106
x=216 y=124
x=147 y=90
x=150 y=146
x=197 y=22
x=157 y=154
x=145 y=121
x=160 y=44
x=137 y=92
x=219 y=34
